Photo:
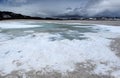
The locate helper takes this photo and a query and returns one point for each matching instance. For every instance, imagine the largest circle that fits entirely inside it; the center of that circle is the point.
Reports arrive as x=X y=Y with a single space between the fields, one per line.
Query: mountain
x=11 y=15
x=4 y=15
x=68 y=16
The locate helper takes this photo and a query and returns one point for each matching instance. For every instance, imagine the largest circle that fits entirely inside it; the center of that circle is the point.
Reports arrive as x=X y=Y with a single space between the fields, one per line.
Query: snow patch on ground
x=37 y=50
x=4 y=37
x=116 y=74
x=14 y=25
x=102 y=69
x=114 y=29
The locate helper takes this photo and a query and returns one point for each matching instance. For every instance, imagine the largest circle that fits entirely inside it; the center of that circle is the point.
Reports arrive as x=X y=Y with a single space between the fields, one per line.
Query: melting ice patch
x=59 y=50
x=38 y=51
x=14 y=25
x=4 y=37
x=114 y=29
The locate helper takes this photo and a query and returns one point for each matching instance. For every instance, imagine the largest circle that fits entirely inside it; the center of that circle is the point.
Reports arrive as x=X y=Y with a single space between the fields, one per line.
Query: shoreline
x=102 y=22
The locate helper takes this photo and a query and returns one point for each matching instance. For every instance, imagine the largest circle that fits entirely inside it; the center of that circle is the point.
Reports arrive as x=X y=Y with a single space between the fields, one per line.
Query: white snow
x=114 y=29
x=14 y=25
x=116 y=74
x=102 y=69
x=4 y=37
x=29 y=31
x=38 y=51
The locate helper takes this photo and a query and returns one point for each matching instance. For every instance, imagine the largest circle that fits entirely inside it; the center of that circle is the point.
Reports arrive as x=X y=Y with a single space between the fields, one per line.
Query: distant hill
x=80 y=17
x=11 y=15
x=4 y=15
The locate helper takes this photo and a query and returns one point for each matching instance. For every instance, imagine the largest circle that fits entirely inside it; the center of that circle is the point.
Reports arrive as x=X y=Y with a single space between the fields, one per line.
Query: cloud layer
x=57 y=7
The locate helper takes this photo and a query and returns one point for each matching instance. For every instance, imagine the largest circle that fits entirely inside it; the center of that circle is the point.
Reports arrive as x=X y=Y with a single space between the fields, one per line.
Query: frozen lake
x=57 y=46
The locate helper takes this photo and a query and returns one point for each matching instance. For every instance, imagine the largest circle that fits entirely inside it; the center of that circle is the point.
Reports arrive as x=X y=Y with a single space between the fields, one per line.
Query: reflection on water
x=67 y=31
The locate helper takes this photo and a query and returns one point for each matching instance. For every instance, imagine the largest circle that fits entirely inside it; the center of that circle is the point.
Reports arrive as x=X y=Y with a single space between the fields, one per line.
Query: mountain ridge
x=6 y=15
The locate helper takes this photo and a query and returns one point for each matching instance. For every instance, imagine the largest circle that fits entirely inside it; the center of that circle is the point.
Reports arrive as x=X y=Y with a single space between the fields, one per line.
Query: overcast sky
x=57 y=7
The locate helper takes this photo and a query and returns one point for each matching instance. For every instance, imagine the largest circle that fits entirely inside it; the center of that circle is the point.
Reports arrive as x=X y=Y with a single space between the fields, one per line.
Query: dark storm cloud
x=56 y=7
